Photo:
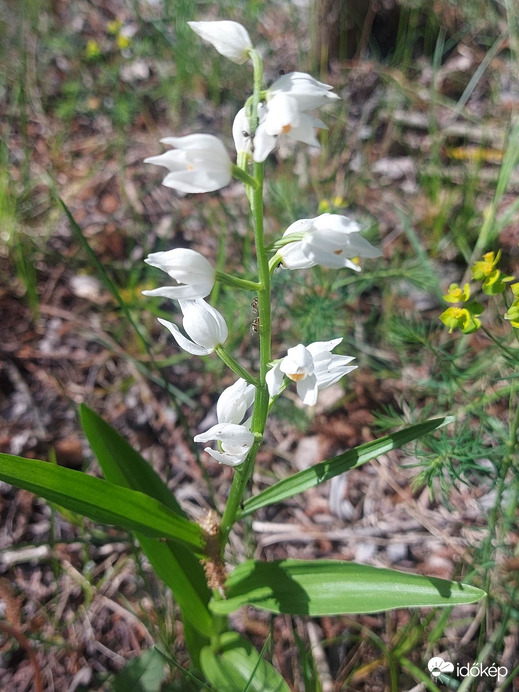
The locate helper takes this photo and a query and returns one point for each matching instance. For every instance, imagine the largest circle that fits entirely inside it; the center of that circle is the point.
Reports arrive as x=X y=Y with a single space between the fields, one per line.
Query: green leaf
x=176 y=565
x=144 y=673
x=121 y=463
x=179 y=569
x=100 y=500
x=334 y=587
x=325 y=470
x=237 y=666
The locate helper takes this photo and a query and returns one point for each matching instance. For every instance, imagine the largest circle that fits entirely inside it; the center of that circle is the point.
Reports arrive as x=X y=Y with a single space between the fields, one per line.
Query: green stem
x=498 y=343
x=242 y=175
x=257 y=65
x=261 y=401
x=236 y=282
x=234 y=365
x=501 y=484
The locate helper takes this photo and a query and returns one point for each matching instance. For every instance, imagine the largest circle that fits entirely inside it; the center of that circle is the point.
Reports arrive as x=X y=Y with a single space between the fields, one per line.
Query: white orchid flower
x=189 y=268
x=308 y=92
x=199 y=163
x=233 y=403
x=229 y=38
x=205 y=325
x=288 y=99
x=234 y=442
x=330 y=240
x=312 y=367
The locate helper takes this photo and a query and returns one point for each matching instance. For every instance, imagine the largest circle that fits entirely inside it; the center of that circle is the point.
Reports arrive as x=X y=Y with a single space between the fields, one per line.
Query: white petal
x=294 y=258
x=307 y=390
x=318 y=347
x=263 y=143
x=241 y=132
x=187 y=267
x=336 y=222
x=184 y=343
x=298 y=363
x=331 y=374
x=199 y=141
x=299 y=226
x=282 y=115
x=227 y=433
x=234 y=401
x=274 y=379
x=196 y=181
x=200 y=163
x=308 y=92
x=305 y=131
x=226 y=458
x=229 y=38
x=292 y=255
x=189 y=292
x=205 y=325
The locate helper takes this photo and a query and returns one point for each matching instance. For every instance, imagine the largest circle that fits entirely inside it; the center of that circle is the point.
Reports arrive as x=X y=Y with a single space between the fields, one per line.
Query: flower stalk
x=261 y=399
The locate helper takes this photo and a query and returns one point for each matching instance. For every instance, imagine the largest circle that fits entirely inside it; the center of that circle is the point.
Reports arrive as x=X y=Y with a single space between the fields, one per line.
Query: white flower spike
x=229 y=38
x=312 y=367
x=288 y=99
x=234 y=401
x=330 y=240
x=234 y=441
x=205 y=325
x=199 y=163
x=189 y=268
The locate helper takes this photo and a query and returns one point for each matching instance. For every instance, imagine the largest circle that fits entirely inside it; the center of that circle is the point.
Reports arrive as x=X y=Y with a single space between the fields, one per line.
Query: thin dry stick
x=24 y=642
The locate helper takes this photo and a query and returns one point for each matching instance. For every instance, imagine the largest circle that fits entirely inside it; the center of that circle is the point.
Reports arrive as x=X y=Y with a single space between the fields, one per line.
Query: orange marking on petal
x=286 y=129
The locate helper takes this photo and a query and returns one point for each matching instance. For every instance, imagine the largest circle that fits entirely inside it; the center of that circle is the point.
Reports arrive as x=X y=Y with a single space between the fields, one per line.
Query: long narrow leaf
x=100 y=500
x=333 y=587
x=176 y=565
x=325 y=470
x=121 y=463
x=237 y=666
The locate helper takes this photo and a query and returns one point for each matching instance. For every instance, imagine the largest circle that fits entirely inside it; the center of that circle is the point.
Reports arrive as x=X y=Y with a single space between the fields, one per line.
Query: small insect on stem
x=255 y=324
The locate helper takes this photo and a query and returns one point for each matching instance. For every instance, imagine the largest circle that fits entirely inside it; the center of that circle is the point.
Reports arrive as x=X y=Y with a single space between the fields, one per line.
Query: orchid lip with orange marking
x=296 y=376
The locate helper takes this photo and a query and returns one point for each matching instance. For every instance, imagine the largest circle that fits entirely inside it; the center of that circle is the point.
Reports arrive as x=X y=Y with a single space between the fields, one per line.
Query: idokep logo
x=438 y=666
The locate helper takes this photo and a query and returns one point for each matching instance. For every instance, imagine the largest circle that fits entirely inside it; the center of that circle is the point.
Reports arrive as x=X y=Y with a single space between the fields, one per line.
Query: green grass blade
x=100 y=500
x=325 y=470
x=105 y=278
x=334 y=587
x=237 y=666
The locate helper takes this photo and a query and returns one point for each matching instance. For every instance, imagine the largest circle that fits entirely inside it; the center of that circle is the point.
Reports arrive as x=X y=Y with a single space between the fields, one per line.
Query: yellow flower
x=513 y=314
x=324 y=205
x=92 y=49
x=122 y=41
x=456 y=294
x=462 y=318
x=485 y=267
x=495 y=283
x=114 y=26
